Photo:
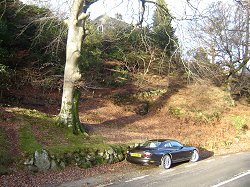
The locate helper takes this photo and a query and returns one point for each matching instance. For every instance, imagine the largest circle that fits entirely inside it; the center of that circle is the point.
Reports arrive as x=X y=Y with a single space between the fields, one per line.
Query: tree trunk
x=76 y=121
x=246 y=52
x=68 y=116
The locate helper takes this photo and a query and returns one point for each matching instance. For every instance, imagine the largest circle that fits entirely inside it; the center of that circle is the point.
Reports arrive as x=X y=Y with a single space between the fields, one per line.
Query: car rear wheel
x=195 y=156
x=166 y=162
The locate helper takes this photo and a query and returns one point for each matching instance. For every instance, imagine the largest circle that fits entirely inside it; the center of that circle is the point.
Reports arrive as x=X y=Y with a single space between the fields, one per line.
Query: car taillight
x=147 y=154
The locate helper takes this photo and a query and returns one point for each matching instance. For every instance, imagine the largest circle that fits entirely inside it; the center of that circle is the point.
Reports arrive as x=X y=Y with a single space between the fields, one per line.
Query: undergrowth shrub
x=5 y=79
x=149 y=96
x=175 y=111
x=26 y=43
x=119 y=77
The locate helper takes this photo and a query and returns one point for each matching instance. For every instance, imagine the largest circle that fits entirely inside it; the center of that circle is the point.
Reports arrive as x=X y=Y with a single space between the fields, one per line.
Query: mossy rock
x=120 y=157
x=85 y=165
x=99 y=160
x=67 y=158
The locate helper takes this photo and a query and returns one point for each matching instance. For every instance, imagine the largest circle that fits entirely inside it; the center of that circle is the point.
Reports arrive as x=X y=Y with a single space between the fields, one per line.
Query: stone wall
x=85 y=158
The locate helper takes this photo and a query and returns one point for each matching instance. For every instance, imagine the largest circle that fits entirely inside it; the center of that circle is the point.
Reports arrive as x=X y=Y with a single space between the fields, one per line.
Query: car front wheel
x=195 y=156
x=166 y=162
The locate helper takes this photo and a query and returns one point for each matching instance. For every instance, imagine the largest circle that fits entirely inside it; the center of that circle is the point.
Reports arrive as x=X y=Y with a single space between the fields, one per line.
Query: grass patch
x=37 y=131
x=40 y=131
x=175 y=111
x=240 y=123
x=28 y=142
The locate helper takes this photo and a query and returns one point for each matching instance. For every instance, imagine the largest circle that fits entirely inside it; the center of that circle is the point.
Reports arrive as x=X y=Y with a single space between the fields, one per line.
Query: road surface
x=227 y=171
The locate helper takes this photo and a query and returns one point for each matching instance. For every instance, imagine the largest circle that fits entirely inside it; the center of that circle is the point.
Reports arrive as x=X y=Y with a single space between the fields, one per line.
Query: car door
x=179 y=153
x=187 y=152
x=161 y=150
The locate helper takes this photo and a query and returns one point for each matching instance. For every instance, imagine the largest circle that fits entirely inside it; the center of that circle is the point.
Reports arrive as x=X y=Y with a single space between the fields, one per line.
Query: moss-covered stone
x=84 y=158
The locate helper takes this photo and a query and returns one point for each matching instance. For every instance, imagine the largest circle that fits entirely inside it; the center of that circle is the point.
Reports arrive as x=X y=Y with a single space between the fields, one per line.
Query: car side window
x=152 y=145
x=176 y=144
x=166 y=145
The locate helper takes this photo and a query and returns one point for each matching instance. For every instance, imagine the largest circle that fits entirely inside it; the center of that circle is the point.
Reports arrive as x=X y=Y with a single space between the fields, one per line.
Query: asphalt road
x=228 y=171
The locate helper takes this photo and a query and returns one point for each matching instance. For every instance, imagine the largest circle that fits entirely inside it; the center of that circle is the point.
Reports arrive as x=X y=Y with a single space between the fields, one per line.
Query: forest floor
x=120 y=124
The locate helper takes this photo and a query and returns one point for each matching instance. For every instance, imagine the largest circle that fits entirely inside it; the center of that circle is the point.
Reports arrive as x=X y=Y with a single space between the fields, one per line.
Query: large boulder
x=42 y=160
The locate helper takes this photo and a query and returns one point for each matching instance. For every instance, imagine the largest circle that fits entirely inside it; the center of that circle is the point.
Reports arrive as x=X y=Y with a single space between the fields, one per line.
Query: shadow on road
x=205 y=154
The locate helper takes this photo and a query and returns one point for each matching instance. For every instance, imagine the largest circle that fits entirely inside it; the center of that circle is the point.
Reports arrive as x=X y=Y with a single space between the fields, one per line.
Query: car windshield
x=151 y=144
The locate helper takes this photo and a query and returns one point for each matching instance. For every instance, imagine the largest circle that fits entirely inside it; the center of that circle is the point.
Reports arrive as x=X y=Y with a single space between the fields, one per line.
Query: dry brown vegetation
x=201 y=119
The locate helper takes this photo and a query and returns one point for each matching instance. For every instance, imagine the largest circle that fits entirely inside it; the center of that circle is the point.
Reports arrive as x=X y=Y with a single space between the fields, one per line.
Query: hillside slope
x=205 y=119
x=202 y=115
x=173 y=113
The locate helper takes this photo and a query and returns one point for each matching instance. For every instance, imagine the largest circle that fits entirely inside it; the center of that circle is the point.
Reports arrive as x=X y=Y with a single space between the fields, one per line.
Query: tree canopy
x=163 y=32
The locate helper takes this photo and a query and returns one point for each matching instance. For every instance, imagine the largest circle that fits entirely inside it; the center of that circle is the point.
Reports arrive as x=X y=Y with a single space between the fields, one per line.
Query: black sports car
x=162 y=152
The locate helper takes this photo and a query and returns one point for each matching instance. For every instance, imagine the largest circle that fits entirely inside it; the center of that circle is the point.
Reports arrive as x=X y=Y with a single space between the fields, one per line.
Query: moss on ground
x=28 y=142
x=38 y=131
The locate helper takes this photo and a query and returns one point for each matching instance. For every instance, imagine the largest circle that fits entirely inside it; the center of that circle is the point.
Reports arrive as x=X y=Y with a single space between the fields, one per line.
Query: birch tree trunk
x=246 y=52
x=68 y=115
